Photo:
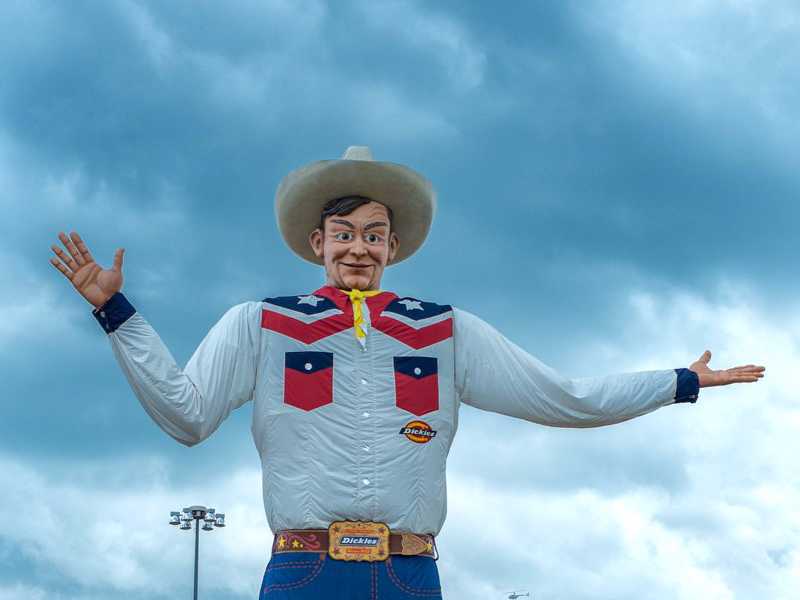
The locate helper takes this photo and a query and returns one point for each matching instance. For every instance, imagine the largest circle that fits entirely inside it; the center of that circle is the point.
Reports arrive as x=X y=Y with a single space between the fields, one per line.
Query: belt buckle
x=358 y=540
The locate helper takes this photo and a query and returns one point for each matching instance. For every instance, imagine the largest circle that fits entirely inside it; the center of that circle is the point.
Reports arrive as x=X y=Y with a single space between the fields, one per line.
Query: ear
x=394 y=244
x=316 y=241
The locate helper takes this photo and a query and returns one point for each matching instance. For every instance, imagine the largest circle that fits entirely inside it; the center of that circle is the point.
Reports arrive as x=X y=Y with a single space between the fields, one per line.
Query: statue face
x=356 y=247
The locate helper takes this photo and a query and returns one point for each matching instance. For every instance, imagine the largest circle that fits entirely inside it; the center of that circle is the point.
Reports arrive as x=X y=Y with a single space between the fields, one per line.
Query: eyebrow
x=375 y=224
x=368 y=226
x=343 y=222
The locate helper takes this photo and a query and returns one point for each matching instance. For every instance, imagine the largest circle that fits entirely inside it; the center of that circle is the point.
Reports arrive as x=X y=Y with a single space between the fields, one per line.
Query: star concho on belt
x=358 y=540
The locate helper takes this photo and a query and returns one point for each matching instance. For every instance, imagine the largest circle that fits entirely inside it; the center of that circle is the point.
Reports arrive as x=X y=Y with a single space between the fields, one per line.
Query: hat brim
x=303 y=193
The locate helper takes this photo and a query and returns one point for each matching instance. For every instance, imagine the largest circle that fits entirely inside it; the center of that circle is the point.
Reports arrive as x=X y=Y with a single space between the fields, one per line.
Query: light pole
x=210 y=517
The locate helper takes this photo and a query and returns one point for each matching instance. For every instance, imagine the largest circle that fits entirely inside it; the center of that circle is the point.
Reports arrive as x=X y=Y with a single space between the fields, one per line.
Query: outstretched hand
x=708 y=378
x=92 y=281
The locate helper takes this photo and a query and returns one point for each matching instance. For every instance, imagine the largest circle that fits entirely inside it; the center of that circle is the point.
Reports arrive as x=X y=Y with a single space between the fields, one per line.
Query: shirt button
x=366 y=448
x=363 y=382
x=365 y=481
x=308 y=366
x=102 y=313
x=365 y=414
x=417 y=371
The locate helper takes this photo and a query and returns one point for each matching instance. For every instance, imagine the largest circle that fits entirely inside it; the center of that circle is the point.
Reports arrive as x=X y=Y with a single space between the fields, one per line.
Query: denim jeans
x=306 y=576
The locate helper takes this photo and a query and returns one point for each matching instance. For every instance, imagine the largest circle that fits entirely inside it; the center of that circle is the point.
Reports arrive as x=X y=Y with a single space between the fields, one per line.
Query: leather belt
x=337 y=545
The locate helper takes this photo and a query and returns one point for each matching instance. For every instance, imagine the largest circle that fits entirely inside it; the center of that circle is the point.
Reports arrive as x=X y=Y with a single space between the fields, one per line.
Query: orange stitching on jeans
x=307 y=579
x=405 y=588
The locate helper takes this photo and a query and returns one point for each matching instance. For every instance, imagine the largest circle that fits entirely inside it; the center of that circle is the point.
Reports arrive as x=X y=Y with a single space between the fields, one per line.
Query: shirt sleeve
x=494 y=374
x=188 y=404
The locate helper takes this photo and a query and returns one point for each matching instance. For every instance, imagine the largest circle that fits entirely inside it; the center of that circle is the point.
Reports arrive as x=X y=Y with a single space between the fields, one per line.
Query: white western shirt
x=361 y=431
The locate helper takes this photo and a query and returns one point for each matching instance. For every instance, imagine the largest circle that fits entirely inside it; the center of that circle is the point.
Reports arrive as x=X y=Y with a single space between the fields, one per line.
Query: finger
x=60 y=266
x=745 y=371
x=705 y=357
x=65 y=257
x=118 y=260
x=87 y=256
x=73 y=251
x=748 y=368
x=745 y=377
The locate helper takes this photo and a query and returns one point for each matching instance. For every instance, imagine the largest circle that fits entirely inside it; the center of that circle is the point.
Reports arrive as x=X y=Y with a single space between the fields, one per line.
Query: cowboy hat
x=303 y=193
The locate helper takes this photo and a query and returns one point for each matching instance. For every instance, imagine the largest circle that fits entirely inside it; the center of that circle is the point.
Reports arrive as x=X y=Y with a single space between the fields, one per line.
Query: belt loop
x=435 y=549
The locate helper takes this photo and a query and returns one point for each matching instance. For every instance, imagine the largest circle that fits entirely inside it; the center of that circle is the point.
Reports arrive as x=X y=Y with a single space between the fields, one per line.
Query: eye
x=343 y=236
x=373 y=238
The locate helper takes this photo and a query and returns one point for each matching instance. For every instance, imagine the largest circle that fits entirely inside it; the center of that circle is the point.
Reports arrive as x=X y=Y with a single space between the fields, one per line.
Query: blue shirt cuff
x=114 y=312
x=688 y=386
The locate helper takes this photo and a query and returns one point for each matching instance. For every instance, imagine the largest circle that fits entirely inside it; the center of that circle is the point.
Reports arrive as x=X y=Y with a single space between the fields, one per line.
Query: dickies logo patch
x=418 y=431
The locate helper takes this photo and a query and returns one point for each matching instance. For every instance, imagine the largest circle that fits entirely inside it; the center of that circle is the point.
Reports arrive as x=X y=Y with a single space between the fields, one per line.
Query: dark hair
x=346 y=205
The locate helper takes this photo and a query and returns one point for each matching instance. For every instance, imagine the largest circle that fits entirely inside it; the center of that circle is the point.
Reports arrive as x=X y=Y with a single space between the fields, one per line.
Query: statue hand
x=92 y=281
x=708 y=378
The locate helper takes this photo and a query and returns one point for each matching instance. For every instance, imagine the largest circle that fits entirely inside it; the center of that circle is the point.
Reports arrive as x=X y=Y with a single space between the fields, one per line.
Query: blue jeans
x=307 y=576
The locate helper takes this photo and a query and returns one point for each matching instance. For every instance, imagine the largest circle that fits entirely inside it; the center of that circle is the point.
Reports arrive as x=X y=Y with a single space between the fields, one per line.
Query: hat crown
x=357 y=153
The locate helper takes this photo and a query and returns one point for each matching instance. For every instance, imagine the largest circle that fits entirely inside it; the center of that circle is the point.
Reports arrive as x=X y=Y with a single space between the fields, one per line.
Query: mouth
x=355 y=265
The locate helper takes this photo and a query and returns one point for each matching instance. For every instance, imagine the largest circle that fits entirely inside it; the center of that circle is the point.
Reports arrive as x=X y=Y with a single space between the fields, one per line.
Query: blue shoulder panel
x=306 y=304
x=416 y=309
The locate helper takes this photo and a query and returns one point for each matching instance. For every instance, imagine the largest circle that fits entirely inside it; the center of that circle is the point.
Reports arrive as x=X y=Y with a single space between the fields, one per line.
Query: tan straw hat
x=303 y=192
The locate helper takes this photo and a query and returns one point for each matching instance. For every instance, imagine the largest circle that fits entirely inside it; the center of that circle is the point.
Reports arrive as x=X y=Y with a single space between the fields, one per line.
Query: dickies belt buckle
x=358 y=540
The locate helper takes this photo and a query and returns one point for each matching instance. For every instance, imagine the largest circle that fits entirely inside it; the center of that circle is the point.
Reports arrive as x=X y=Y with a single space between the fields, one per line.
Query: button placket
x=370 y=454
x=364 y=394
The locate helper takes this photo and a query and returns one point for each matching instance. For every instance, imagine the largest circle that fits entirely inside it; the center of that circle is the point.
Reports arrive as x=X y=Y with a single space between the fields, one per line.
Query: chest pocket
x=308 y=379
x=416 y=384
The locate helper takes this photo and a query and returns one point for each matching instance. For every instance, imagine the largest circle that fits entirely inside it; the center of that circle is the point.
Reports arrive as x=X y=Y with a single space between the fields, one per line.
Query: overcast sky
x=618 y=191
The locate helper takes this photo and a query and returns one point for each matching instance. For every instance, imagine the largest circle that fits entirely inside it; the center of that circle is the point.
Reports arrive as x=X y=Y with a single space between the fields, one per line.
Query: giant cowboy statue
x=356 y=390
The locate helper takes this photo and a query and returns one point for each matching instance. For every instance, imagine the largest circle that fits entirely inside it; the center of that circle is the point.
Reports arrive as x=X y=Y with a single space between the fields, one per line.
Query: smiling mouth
x=356 y=266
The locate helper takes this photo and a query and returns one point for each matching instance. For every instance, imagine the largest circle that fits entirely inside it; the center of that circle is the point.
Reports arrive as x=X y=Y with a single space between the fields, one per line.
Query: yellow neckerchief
x=356 y=296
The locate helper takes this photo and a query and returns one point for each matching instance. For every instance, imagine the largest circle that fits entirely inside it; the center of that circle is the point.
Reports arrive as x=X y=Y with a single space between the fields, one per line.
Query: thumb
x=118 y=260
x=705 y=357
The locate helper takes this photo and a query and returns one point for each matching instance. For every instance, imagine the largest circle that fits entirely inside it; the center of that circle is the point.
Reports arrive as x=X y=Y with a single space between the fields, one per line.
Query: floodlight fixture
x=210 y=518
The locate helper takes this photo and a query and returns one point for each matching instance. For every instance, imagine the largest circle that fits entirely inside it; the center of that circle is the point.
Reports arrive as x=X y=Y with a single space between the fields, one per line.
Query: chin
x=356 y=283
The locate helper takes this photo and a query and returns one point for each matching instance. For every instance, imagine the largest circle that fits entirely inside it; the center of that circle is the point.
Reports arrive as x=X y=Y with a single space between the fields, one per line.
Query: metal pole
x=196 y=552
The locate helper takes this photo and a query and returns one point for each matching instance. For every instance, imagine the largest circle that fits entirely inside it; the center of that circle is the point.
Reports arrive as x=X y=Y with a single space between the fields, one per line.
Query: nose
x=358 y=248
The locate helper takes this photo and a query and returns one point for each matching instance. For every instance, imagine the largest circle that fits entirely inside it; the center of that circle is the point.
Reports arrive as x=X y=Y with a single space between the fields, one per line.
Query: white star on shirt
x=311 y=299
x=411 y=304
